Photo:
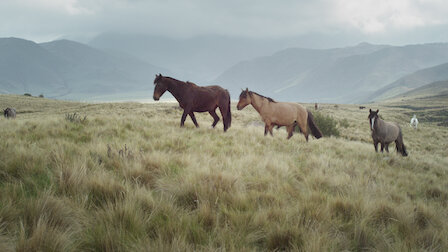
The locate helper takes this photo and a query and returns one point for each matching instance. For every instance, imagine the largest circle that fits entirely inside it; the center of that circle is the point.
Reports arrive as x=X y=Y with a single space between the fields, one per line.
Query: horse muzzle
x=155 y=98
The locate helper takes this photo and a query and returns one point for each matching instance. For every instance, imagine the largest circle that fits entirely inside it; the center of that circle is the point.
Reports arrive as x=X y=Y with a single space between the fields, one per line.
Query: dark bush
x=325 y=123
x=27 y=94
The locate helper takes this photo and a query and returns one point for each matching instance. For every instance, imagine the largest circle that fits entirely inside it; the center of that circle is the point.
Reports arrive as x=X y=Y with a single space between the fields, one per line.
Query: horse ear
x=247 y=89
x=377 y=111
x=370 y=110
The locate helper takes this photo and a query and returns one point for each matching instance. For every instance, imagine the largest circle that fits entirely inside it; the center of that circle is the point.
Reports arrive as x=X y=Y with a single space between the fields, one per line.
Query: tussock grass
x=129 y=179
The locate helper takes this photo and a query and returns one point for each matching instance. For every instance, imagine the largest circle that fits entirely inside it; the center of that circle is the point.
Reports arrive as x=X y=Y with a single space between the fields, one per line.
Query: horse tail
x=313 y=127
x=226 y=113
x=400 y=144
x=404 y=153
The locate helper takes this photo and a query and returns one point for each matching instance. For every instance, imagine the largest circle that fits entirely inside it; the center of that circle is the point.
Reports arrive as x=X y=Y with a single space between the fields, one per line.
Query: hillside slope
x=411 y=81
x=439 y=88
x=127 y=178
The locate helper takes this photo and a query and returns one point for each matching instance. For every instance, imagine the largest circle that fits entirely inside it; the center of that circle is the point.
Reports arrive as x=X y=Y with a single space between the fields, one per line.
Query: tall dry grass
x=129 y=179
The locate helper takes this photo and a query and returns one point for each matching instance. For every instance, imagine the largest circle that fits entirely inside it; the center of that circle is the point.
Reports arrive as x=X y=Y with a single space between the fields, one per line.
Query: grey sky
x=377 y=21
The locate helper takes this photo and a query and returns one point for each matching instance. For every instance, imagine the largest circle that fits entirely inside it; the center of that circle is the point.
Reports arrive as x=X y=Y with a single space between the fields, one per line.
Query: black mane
x=269 y=98
x=183 y=82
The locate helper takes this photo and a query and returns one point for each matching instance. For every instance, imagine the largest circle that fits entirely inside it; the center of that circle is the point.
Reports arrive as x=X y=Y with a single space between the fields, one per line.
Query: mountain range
x=342 y=75
x=70 y=70
x=117 y=67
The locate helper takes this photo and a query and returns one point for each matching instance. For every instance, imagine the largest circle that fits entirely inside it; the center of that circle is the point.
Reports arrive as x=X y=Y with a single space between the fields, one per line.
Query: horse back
x=285 y=113
x=388 y=131
x=206 y=98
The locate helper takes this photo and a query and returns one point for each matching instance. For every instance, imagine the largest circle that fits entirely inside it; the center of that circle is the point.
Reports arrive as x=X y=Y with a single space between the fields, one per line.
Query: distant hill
x=435 y=89
x=71 y=70
x=27 y=67
x=199 y=59
x=343 y=75
x=411 y=81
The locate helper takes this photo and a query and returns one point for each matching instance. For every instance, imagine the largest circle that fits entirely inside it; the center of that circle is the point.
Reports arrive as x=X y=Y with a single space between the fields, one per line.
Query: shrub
x=325 y=123
x=41 y=96
x=27 y=94
x=75 y=118
x=344 y=123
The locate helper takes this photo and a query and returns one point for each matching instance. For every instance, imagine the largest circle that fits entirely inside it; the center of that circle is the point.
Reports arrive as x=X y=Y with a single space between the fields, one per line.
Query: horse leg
x=382 y=146
x=271 y=127
x=265 y=129
x=215 y=117
x=290 y=130
x=302 y=127
x=387 y=147
x=375 y=144
x=182 y=119
x=194 y=119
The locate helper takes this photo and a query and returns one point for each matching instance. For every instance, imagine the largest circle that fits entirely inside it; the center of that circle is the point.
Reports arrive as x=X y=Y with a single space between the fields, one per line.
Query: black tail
x=313 y=127
x=226 y=113
x=404 y=152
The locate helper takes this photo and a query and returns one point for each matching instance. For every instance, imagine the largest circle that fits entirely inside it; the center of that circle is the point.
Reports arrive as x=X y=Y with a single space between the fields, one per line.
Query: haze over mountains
x=199 y=58
x=118 y=66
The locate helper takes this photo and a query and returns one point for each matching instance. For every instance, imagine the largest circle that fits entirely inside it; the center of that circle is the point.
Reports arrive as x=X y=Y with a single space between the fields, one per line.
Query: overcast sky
x=376 y=21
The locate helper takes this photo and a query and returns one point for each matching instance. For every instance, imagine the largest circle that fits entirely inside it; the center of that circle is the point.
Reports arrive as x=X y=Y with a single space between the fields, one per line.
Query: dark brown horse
x=193 y=98
x=385 y=132
x=9 y=113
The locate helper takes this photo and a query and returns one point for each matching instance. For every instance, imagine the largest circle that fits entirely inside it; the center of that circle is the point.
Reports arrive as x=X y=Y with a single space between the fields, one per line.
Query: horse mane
x=269 y=98
x=191 y=83
x=183 y=82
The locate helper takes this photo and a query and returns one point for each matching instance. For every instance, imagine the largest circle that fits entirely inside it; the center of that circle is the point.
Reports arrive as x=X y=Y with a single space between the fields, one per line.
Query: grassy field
x=127 y=178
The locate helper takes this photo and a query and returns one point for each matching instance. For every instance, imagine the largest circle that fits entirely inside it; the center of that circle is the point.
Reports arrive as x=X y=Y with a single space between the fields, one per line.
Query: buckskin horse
x=279 y=114
x=385 y=132
x=193 y=98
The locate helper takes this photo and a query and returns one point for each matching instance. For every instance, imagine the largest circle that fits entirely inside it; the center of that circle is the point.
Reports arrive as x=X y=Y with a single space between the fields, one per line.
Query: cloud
x=251 y=18
x=373 y=16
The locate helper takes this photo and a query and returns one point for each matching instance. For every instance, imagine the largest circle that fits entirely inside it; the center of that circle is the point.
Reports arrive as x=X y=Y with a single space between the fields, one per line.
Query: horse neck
x=257 y=102
x=379 y=124
x=176 y=88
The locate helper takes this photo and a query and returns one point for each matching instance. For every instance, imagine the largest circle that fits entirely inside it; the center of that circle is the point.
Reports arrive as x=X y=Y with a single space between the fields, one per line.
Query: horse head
x=373 y=116
x=160 y=87
x=245 y=99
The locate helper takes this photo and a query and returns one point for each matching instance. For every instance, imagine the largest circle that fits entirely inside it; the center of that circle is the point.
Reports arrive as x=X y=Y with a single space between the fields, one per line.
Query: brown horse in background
x=385 y=132
x=279 y=114
x=193 y=98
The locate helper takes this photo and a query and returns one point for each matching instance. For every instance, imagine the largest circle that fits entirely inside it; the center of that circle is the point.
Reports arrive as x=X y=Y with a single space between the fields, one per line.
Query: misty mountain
x=411 y=81
x=341 y=75
x=199 y=59
x=70 y=70
x=27 y=67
